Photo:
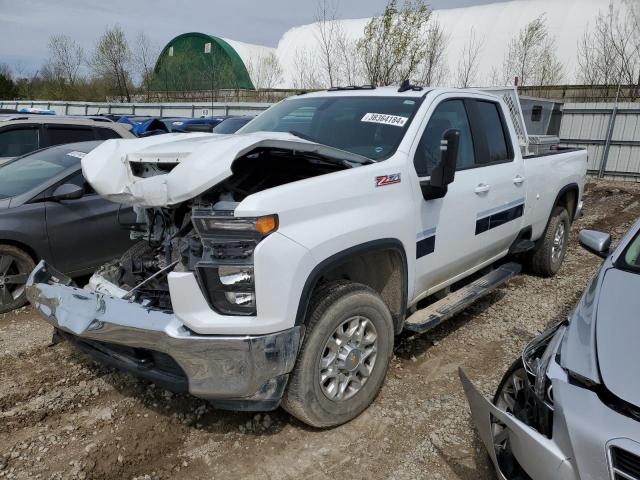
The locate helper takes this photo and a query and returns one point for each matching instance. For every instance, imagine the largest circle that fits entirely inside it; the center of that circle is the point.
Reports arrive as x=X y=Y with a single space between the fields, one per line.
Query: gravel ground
x=64 y=416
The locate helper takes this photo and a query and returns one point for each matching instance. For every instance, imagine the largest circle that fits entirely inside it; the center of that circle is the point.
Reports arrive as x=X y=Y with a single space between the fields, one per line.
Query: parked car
x=48 y=211
x=202 y=124
x=569 y=408
x=232 y=124
x=24 y=133
x=282 y=262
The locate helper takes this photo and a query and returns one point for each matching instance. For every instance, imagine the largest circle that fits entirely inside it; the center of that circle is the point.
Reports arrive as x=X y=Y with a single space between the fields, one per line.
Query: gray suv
x=24 y=133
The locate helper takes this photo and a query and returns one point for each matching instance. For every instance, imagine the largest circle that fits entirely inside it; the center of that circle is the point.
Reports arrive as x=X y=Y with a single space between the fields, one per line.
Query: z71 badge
x=387 y=179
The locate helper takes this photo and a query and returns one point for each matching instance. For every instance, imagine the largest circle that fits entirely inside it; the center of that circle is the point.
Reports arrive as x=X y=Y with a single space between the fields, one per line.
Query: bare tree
x=265 y=70
x=305 y=68
x=609 y=53
x=532 y=55
x=328 y=33
x=350 y=68
x=432 y=68
x=144 y=57
x=65 y=59
x=469 y=60
x=112 y=60
x=393 y=46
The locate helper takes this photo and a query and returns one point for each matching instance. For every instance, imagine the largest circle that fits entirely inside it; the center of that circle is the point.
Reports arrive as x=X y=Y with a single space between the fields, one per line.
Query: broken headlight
x=226 y=271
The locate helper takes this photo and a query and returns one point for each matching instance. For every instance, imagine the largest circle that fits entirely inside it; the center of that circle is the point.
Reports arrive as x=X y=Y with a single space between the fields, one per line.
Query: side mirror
x=596 y=242
x=67 y=191
x=444 y=173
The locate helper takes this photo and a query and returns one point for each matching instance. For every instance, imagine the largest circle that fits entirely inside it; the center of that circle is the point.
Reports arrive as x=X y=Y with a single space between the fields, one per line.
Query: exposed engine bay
x=170 y=240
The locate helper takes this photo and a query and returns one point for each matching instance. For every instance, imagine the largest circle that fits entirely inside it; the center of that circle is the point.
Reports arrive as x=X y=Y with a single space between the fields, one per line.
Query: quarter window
x=18 y=141
x=493 y=125
x=449 y=114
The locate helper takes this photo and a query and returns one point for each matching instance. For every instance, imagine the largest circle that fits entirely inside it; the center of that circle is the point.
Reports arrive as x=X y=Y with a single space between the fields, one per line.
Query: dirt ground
x=64 y=416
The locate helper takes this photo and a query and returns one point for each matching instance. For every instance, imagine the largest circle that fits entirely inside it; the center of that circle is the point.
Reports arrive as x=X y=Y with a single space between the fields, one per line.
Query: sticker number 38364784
x=384 y=119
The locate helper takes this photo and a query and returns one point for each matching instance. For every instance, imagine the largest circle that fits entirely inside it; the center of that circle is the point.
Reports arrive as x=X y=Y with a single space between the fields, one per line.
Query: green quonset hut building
x=196 y=61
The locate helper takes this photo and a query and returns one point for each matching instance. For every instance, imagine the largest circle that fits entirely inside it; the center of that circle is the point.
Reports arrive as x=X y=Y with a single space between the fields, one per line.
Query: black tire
x=545 y=260
x=15 y=267
x=331 y=307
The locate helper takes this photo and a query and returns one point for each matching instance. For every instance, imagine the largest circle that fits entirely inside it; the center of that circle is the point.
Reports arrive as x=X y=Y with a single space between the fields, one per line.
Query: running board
x=436 y=313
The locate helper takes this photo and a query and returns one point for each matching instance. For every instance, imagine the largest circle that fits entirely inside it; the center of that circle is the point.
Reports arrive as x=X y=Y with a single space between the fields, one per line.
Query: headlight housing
x=226 y=270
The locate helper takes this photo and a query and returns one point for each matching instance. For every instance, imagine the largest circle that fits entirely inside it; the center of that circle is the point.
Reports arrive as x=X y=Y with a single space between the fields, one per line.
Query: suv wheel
x=344 y=358
x=15 y=267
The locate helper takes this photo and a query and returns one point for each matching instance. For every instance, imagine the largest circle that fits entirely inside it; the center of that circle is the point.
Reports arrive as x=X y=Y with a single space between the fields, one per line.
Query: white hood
x=203 y=159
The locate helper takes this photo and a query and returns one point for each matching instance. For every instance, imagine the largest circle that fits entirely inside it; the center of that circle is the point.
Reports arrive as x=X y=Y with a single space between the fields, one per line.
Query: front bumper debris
x=538 y=455
x=237 y=372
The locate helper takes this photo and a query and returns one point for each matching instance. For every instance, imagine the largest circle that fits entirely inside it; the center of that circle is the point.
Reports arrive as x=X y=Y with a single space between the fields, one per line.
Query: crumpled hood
x=203 y=160
x=618 y=334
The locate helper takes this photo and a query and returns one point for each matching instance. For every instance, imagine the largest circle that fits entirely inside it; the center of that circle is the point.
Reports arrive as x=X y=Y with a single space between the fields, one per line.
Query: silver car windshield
x=631 y=258
x=369 y=126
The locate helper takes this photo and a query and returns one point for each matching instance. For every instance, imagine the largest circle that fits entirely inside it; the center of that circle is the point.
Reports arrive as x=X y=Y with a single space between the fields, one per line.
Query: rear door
x=500 y=184
x=475 y=221
x=85 y=233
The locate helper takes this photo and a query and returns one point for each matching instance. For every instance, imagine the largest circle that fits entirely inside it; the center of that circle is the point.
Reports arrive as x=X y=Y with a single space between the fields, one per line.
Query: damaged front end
x=239 y=372
x=517 y=427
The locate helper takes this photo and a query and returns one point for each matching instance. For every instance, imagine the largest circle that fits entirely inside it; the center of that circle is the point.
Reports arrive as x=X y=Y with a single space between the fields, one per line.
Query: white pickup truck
x=278 y=264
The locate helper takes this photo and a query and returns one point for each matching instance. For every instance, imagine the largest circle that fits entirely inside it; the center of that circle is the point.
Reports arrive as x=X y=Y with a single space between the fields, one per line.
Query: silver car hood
x=618 y=334
x=202 y=160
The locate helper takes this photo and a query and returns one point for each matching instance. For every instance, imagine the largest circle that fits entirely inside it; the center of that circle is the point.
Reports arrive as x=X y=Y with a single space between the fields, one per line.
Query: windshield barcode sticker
x=77 y=154
x=385 y=119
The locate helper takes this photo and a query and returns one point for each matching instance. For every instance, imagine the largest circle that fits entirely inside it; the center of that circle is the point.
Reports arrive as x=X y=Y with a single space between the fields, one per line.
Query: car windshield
x=630 y=260
x=230 y=125
x=369 y=126
x=27 y=172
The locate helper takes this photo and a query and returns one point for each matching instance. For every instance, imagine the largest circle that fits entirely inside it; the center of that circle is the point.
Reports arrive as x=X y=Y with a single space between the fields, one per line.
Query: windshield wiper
x=362 y=160
x=303 y=136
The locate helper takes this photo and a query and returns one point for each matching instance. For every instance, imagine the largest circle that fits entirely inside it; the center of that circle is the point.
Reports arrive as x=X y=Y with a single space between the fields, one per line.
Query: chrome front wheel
x=348 y=358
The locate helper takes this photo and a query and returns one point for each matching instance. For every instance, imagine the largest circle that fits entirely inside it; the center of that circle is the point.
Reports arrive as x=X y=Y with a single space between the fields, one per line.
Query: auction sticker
x=384 y=119
x=77 y=154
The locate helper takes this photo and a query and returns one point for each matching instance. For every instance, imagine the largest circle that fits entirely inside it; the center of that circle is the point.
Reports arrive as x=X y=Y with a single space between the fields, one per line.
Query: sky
x=27 y=24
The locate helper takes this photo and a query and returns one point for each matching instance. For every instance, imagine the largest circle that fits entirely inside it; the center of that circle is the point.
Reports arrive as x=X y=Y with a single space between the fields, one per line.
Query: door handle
x=519 y=180
x=482 y=188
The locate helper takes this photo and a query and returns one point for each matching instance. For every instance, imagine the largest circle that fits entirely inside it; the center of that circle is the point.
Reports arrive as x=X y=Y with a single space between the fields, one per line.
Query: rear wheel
x=15 y=267
x=549 y=254
x=344 y=358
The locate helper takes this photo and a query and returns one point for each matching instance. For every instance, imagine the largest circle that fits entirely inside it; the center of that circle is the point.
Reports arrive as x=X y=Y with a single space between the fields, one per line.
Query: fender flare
x=338 y=258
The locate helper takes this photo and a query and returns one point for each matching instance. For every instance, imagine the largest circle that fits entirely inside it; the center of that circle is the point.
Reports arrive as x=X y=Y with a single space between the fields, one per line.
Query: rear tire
x=549 y=254
x=15 y=267
x=344 y=356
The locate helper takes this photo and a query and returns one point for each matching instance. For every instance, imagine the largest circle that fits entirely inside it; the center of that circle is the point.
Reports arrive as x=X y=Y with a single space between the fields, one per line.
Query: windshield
x=630 y=260
x=230 y=125
x=25 y=173
x=369 y=126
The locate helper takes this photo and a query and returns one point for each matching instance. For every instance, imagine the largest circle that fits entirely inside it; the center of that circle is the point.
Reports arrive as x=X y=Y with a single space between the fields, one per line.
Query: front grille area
x=626 y=466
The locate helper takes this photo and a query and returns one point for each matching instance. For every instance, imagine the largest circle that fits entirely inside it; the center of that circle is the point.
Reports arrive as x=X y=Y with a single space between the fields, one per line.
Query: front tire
x=15 y=267
x=549 y=254
x=344 y=357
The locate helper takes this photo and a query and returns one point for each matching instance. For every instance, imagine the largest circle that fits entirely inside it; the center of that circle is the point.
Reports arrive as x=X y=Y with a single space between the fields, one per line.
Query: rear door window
x=17 y=141
x=490 y=119
x=58 y=135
